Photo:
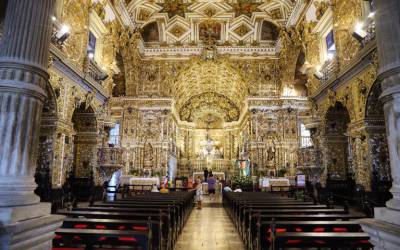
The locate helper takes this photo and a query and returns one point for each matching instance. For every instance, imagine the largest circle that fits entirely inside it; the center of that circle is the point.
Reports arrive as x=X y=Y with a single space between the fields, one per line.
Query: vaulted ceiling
x=207 y=85
x=228 y=22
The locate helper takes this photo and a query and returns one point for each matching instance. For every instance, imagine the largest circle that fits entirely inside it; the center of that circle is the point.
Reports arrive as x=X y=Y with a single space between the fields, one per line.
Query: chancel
x=199 y=124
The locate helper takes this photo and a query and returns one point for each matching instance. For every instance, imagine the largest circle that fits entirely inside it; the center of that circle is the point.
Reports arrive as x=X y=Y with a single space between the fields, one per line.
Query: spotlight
x=318 y=74
x=359 y=32
x=371 y=15
x=53 y=18
x=90 y=55
x=62 y=34
x=102 y=76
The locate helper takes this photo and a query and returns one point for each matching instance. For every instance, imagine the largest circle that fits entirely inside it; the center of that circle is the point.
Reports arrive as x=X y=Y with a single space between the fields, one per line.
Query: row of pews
x=149 y=221
x=270 y=221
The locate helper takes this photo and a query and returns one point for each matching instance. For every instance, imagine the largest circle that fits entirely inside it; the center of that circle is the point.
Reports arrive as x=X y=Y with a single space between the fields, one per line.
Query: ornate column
x=24 y=53
x=385 y=228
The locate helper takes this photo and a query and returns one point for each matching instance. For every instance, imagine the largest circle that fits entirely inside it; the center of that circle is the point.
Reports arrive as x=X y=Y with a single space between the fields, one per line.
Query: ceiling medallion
x=175 y=7
x=242 y=30
x=177 y=31
x=245 y=7
x=209 y=11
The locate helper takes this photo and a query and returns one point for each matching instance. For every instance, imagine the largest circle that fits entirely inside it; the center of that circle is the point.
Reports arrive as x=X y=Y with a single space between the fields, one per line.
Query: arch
x=209 y=77
x=337 y=144
x=46 y=144
x=85 y=140
x=378 y=146
x=269 y=31
x=203 y=103
x=150 y=32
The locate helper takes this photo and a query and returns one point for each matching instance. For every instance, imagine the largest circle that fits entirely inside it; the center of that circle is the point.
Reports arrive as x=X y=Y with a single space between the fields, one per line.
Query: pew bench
x=67 y=237
x=319 y=240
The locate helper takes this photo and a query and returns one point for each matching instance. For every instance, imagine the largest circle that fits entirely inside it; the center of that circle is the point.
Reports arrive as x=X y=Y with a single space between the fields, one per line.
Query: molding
x=62 y=65
x=296 y=13
x=187 y=52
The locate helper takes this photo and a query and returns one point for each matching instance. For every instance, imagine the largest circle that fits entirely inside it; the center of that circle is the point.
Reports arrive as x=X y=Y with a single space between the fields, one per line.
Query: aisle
x=209 y=228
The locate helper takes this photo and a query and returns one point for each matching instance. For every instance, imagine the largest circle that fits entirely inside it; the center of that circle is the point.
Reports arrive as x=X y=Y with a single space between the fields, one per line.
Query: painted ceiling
x=225 y=22
x=206 y=86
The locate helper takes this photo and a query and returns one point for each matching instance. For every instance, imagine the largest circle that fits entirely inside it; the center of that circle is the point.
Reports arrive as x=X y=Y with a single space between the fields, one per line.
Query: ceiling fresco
x=209 y=85
x=181 y=22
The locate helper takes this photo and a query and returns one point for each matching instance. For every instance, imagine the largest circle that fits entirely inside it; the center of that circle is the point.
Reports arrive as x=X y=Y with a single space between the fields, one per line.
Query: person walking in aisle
x=199 y=193
x=211 y=186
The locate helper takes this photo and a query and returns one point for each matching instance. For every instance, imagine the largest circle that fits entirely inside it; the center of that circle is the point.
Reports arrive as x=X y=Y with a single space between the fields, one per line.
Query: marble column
x=24 y=53
x=385 y=228
x=388 y=38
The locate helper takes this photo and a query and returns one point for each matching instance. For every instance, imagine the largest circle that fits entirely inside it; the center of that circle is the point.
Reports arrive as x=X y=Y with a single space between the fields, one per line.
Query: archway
x=337 y=143
x=45 y=157
x=379 y=155
x=85 y=140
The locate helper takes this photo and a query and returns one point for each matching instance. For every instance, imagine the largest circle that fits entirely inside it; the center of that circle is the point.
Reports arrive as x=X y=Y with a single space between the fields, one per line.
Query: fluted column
x=388 y=39
x=23 y=77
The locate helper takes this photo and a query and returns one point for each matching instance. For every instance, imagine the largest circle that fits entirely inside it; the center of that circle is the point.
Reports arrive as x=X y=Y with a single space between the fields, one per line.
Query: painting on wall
x=150 y=33
x=210 y=30
x=269 y=31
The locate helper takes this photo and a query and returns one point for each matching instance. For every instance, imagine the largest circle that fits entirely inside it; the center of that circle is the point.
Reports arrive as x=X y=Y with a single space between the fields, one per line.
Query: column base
x=384 y=229
x=31 y=234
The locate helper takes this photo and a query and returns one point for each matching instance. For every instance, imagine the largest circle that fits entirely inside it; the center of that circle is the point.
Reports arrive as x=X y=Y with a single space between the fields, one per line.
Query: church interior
x=199 y=124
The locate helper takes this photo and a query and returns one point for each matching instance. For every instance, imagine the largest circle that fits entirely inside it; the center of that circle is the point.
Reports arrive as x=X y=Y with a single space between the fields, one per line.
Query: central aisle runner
x=209 y=228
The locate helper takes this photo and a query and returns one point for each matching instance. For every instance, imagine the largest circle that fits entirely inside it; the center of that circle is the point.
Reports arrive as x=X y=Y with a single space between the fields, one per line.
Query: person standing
x=211 y=186
x=199 y=193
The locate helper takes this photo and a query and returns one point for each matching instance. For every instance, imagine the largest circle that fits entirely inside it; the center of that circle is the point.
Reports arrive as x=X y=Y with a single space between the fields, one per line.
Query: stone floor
x=209 y=228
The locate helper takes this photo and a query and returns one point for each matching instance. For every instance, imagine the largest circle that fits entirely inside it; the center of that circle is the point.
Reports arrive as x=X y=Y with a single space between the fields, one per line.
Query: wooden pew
x=115 y=224
x=331 y=240
x=264 y=229
x=92 y=237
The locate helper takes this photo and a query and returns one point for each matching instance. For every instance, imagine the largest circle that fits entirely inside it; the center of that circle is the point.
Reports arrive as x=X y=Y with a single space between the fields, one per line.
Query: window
x=97 y=30
x=114 y=135
x=91 y=45
x=327 y=40
x=330 y=46
x=305 y=137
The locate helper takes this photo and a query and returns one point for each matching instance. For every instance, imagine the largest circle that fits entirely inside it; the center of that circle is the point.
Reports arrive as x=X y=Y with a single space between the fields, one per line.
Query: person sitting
x=227 y=189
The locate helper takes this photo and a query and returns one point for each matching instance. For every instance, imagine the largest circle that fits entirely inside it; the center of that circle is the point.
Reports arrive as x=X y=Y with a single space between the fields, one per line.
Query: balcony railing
x=329 y=70
x=93 y=70
x=305 y=142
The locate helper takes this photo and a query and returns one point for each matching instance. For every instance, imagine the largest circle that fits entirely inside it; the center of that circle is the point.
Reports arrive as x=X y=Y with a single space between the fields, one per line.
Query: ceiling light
x=53 y=18
x=371 y=15
x=64 y=29
x=62 y=34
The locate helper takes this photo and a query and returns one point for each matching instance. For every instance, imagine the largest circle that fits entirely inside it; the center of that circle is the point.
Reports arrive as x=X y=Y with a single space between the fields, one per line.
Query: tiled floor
x=209 y=228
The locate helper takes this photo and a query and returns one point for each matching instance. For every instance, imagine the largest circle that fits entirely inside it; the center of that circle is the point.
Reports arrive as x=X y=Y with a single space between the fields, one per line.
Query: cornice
x=62 y=64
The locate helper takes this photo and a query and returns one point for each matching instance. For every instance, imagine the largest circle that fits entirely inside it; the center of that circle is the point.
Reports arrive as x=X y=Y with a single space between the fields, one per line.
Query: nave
x=242 y=220
x=209 y=228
